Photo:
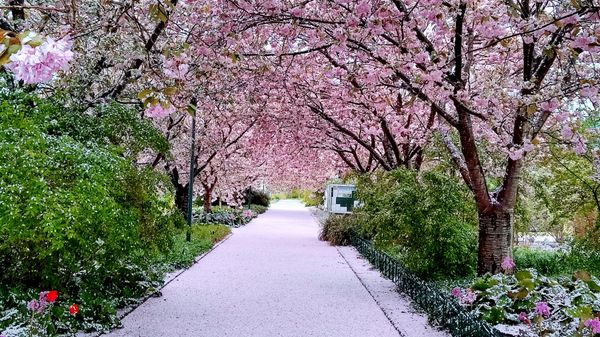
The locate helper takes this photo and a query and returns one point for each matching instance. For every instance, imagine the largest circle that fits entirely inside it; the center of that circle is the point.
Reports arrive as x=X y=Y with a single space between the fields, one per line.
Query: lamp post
x=192 y=110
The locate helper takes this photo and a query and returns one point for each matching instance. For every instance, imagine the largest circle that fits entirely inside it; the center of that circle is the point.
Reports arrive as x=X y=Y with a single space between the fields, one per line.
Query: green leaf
x=170 y=91
x=191 y=110
x=158 y=13
x=594 y=286
x=495 y=315
x=529 y=284
x=519 y=295
x=583 y=312
x=144 y=94
x=523 y=274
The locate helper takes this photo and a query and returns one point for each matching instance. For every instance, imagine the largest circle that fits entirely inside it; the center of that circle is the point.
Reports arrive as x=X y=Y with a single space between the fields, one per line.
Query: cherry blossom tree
x=496 y=74
x=369 y=81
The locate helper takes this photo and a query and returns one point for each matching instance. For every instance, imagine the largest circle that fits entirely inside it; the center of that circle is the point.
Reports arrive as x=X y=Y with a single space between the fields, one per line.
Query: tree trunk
x=207 y=200
x=181 y=198
x=495 y=240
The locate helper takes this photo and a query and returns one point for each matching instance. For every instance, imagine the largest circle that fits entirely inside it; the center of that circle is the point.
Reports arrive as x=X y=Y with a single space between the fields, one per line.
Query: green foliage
x=13 y=302
x=256 y=197
x=313 y=199
x=183 y=253
x=553 y=192
x=428 y=222
x=501 y=298
x=584 y=254
x=76 y=215
x=107 y=124
x=581 y=254
x=258 y=209
x=546 y=262
x=338 y=229
x=228 y=216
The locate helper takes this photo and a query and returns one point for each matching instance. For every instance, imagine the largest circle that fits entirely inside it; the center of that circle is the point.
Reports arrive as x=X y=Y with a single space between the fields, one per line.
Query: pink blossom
x=594 y=324
x=37 y=306
x=38 y=65
x=363 y=8
x=550 y=105
x=523 y=318
x=583 y=42
x=457 y=292
x=507 y=264
x=516 y=154
x=579 y=146
x=468 y=297
x=542 y=309
x=158 y=111
x=297 y=11
x=566 y=132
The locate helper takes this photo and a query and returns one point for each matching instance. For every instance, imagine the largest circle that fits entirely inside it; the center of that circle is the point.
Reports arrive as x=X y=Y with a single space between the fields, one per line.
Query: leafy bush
x=76 y=215
x=313 y=199
x=227 y=216
x=16 y=318
x=541 y=306
x=545 y=262
x=581 y=254
x=429 y=222
x=256 y=197
x=337 y=229
x=584 y=253
x=258 y=209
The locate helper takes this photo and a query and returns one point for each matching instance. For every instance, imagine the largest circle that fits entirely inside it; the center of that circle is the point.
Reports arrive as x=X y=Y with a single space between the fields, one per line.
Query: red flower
x=74 y=309
x=51 y=296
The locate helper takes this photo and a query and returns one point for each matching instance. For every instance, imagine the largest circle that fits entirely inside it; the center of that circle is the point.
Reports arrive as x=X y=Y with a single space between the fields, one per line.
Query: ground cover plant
x=537 y=305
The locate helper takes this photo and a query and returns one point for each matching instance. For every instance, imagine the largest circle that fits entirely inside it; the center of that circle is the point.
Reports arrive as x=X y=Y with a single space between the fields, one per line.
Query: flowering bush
x=537 y=305
x=231 y=217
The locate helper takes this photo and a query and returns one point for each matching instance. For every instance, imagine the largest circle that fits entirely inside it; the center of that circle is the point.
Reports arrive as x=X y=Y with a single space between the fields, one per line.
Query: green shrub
x=313 y=199
x=258 y=209
x=546 y=262
x=228 y=216
x=76 y=215
x=256 y=197
x=584 y=254
x=337 y=229
x=429 y=222
x=183 y=254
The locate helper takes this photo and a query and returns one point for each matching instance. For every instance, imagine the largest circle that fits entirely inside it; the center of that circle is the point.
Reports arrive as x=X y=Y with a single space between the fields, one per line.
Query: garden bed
x=525 y=303
x=31 y=313
x=229 y=216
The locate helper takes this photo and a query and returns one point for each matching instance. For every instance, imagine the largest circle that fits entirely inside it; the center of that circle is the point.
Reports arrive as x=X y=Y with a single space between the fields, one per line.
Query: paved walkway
x=273 y=278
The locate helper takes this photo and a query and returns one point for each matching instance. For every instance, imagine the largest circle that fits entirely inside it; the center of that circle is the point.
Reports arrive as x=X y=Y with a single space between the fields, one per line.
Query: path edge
x=170 y=277
x=362 y=282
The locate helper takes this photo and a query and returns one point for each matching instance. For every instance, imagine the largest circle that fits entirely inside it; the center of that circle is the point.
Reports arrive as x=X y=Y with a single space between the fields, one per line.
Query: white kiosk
x=340 y=199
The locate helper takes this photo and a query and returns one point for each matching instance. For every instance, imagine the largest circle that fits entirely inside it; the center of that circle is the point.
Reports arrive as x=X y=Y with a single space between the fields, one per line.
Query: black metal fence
x=441 y=308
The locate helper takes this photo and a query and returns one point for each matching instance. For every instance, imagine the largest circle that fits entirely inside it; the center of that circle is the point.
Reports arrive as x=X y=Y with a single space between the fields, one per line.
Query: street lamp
x=192 y=111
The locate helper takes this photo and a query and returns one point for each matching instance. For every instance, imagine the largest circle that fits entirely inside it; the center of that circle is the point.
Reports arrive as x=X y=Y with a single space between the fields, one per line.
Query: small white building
x=340 y=199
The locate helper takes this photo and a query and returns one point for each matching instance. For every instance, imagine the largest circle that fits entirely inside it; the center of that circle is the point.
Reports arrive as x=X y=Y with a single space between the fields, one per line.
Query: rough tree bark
x=495 y=239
